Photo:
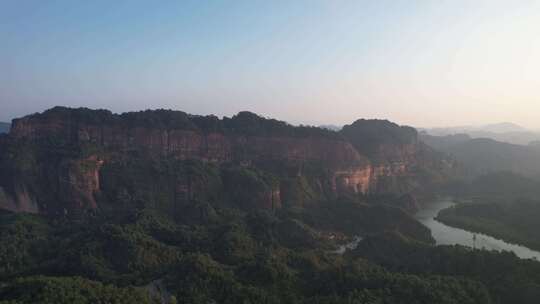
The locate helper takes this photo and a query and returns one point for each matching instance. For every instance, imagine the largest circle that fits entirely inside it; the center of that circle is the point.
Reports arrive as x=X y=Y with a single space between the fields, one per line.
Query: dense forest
x=515 y=222
x=507 y=278
x=233 y=257
x=502 y=204
x=117 y=225
x=245 y=122
x=480 y=156
x=269 y=152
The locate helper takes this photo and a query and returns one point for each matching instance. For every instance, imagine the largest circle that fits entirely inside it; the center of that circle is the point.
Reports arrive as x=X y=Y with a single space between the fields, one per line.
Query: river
x=446 y=235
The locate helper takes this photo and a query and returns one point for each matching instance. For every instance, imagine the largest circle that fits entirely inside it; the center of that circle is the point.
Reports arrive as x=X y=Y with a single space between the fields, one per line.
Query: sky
x=422 y=63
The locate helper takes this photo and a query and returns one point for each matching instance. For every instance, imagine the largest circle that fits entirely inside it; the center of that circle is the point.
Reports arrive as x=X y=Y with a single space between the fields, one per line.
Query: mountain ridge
x=504 y=132
x=82 y=144
x=484 y=155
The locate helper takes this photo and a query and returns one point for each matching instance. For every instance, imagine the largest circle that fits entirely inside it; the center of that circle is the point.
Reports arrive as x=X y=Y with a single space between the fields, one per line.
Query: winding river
x=446 y=235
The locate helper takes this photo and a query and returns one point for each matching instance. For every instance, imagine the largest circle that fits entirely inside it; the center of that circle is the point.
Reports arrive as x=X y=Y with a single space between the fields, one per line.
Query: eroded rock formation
x=70 y=146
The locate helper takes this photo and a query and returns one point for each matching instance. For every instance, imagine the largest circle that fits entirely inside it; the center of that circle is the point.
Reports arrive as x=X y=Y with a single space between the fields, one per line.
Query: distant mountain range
x=503 y=127
x=4 y=127
x=484 y=155
x=504 y=132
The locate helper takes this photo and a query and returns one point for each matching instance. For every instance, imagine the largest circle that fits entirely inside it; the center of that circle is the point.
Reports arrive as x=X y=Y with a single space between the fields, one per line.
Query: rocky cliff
x=120 y=134
x=54 y=161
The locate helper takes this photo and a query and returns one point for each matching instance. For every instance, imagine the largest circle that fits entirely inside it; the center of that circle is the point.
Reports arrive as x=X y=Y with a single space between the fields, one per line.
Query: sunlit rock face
x=79 y=182
x=69 y=147
x=192 y=144
x=369 y=179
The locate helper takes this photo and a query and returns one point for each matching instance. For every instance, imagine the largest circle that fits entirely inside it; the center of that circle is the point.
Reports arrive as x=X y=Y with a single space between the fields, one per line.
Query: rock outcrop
x=70 y=146
x=190 y=144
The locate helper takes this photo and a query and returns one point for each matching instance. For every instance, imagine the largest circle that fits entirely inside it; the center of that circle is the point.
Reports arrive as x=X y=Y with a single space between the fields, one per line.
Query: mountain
x=4 y=127
x=503 y=127
x=483 y=155
x=167 y=207
x=516 y=138
x=503 y=132
x=68 y=160
x=442 y=143
x=502 y=204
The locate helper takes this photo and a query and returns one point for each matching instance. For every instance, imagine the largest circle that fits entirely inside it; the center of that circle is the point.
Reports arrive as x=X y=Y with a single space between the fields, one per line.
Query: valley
x=434 y=216
x=516 y=222
x=242 y=209
x=269 y=152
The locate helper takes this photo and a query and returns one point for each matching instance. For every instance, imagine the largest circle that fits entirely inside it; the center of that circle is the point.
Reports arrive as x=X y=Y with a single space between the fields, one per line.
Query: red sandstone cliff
x=189 y=144
x=355 y=165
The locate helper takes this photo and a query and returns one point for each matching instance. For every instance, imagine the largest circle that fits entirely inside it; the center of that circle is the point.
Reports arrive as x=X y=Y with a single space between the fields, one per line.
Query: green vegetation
x=515 y=222
x=507 y=278
x=503 y=187
x=368 y=136
x=245 y=123
x=502 y=204
x=68 y=290
x=480 y=156
x=252 y=258
x=361 y=219
x=240 y=256
x=162 y=229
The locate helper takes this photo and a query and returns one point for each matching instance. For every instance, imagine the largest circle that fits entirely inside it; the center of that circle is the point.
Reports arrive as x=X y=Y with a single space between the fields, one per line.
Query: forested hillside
x=167 y=207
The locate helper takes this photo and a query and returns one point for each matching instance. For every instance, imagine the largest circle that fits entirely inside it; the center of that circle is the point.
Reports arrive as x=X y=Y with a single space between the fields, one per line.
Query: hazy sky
x=423 y=63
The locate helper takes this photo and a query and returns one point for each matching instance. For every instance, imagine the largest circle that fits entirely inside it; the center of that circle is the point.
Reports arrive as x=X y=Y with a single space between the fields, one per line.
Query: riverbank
x=517 y=224
x=448 y=235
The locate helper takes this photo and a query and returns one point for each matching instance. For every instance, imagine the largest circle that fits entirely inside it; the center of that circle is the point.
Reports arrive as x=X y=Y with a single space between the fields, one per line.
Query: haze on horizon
x=421 y=63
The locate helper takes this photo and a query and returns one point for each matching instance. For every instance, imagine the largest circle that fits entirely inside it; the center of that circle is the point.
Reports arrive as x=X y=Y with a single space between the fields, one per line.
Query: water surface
x=446 y=235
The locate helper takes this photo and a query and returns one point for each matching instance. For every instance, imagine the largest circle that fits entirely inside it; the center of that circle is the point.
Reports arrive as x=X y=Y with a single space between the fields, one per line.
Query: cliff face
x=192 y=144
x=368 y=179
x=80 y=142
x=78 y=183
